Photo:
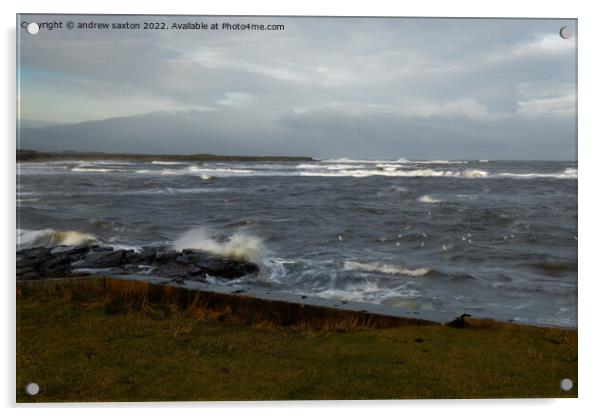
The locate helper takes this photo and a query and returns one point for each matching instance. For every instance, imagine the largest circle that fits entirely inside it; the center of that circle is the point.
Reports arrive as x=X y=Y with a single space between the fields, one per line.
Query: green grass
x=90 y=349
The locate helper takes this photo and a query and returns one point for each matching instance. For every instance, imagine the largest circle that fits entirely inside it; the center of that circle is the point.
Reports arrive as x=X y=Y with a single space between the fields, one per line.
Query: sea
x=494 y=239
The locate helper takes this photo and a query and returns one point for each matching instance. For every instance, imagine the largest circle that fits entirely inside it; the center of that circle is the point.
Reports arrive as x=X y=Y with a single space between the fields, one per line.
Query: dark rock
x=69 y=250
x=113 y=259
x=34 y=252
x=225 y=267
x=65 y=261
x=102 y=258
x=165 y=256
x=147 y=255
x=188 y=258
x=195 y=271
x=130 y=256
x=58 y=261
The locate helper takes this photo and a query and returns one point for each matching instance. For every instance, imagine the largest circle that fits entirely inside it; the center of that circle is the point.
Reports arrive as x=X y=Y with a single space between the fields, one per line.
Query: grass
x=94 y=348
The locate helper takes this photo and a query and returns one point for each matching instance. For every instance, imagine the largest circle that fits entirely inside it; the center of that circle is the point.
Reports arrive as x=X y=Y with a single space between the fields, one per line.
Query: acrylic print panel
x=275 y=208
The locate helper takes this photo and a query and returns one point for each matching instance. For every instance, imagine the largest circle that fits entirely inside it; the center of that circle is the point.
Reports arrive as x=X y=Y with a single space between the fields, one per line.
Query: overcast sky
x=323 y=87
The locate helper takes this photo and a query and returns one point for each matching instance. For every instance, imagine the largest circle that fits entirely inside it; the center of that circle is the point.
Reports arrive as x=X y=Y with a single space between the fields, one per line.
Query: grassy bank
x=92 y=348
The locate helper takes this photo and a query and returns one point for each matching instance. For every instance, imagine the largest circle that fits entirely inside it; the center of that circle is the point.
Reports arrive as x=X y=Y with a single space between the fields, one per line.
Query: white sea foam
x=52 y=238
x=159 y=162
x=427 y=199
x=361 y=161
x=385 y=268
x=137 y=249
x=89 y=169
x=361 y=173
x=276 y=269
x=568 y=173
x=474 y=173
x=107 y=162
x=217 y=171
x=239 y=246
x=440 y=162
x=369 y=292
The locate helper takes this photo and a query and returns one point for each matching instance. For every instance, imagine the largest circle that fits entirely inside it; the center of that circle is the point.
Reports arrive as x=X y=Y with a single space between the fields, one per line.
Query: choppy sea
x=491 y=238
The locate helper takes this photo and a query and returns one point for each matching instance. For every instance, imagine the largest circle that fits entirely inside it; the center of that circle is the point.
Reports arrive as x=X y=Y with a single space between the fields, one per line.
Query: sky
x=322 y=87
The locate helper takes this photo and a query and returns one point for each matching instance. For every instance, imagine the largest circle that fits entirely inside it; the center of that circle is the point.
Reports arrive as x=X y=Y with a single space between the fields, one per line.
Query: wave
x=239 y=246
x=195 y=170
x=159 y=162
x=568 y=173
x=388 y=167
x=52 y=238
x=361 y=161
x=440 y=162
x=474 y=173
x=427 y=199
x=88 y=169
x=369 y=292
x=385 y=268
x=359 y=173
x=107 y=162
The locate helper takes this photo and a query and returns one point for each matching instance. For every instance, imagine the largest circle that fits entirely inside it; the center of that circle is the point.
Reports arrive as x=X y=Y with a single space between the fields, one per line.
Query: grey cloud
x=324 y=85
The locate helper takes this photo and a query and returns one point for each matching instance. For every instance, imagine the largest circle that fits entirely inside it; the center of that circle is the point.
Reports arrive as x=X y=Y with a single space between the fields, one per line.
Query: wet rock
x=147 y=255
x=130 y=257
x=113 y=259
x=69 y=250
x=65 y=261
x=165 y=256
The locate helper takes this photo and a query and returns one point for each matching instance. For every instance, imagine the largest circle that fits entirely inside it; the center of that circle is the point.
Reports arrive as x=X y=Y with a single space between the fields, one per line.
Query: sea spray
x=239 y=246
x=52 y=238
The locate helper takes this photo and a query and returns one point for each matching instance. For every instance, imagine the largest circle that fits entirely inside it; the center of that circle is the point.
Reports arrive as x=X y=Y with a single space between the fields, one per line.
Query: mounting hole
x=565 y=32
x=566 y=384
x=33 y=28
x=32 y=389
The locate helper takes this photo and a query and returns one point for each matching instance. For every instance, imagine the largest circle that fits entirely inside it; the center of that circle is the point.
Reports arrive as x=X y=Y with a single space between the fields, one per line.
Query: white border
x=590 y=291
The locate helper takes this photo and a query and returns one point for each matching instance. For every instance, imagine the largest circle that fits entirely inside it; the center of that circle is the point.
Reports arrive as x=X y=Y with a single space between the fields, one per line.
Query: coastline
x=72 y=325
x=24 y=155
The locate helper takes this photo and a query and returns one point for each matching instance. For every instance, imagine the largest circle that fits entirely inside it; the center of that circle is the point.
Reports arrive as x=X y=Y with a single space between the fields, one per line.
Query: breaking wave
x=385 y=268
x=441 y=162
x=52 y=238
x=159 y=162
x=362 y=161
x=568 y=173
x=239 y=246
x=361 y=173
x=88 y=169
x=427 y=199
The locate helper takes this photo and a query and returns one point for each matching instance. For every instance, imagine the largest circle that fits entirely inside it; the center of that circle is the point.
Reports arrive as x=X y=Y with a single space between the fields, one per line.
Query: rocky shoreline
x=72 y=261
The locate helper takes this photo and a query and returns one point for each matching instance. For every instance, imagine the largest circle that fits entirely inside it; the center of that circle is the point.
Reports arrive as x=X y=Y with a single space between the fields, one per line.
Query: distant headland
x=24 y=155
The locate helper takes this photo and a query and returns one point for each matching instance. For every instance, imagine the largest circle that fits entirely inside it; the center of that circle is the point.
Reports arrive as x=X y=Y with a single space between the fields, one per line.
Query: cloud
x=235 y=99
x=321 y=86
x=563 y=106
x=463 y=108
